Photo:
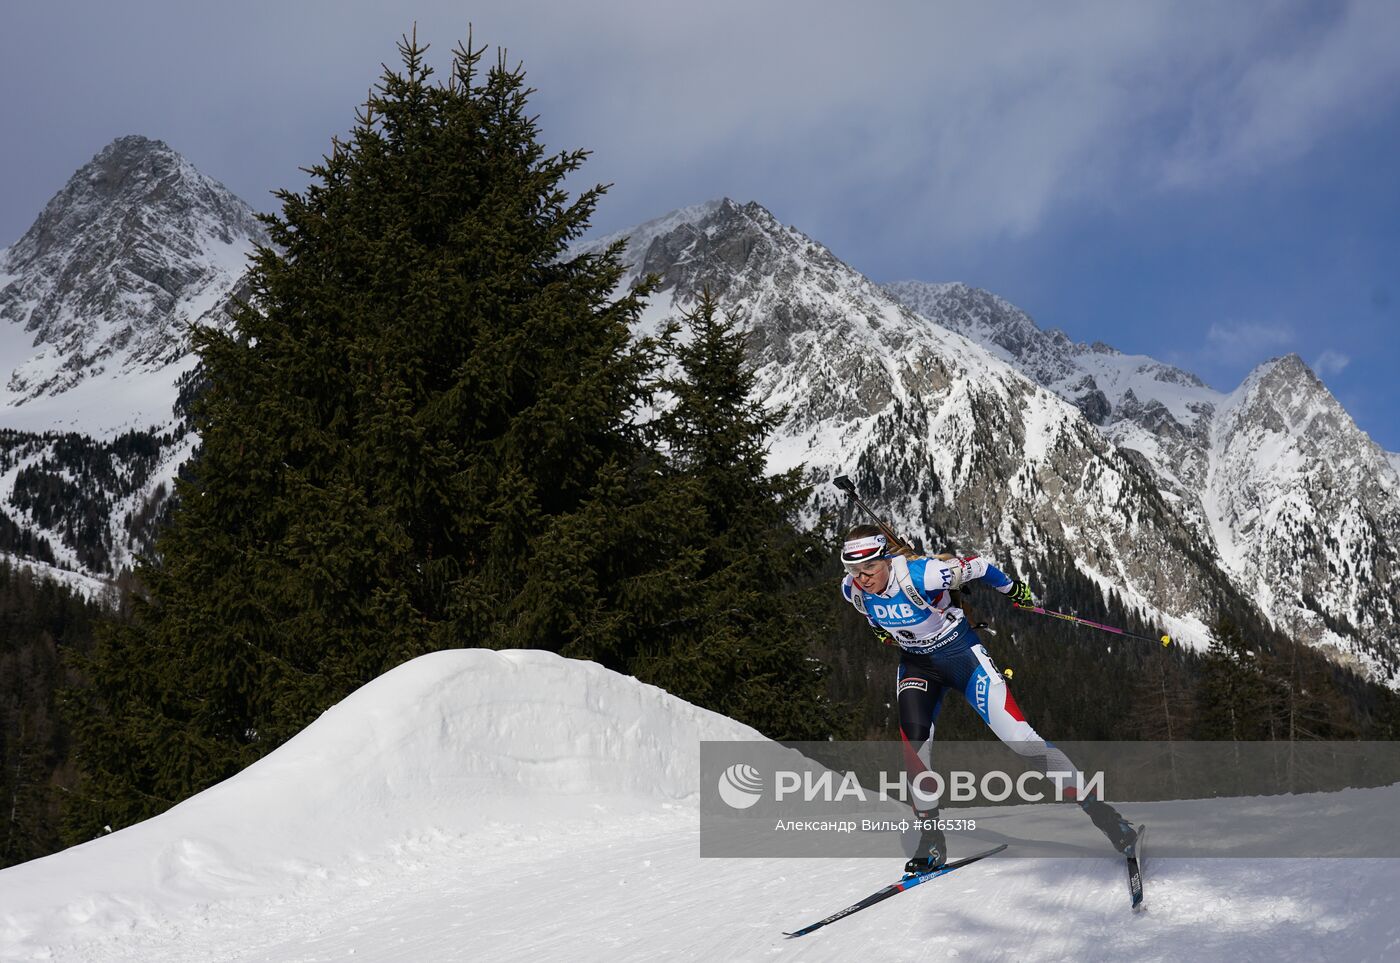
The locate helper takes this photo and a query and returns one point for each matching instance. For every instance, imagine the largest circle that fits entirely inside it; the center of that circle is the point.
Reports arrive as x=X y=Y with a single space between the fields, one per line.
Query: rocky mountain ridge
x=1298 y=503
x=137 y=247
x=96 y=303
x=972 y=426
x=960 y=447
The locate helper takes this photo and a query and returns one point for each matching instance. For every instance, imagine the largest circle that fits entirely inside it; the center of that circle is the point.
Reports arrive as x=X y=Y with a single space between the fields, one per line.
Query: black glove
x=1021 y=594
x=884 y=637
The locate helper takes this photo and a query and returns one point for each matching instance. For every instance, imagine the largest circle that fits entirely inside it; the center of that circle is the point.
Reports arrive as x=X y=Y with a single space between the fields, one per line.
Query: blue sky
x=1212 y=184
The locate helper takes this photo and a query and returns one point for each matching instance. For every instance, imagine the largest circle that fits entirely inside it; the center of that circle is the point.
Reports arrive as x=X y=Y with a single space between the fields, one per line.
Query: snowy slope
x=88 y=587
x=447 y=747
x=1305 y=509
x=967 y=451
x=97 y=297
x=474 y=805
x=1301 y=507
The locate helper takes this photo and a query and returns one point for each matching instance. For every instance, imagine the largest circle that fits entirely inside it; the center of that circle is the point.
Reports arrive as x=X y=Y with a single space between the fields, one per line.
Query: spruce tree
x=418 y=434
x=1232 y=695
x=40 y=620
x=742 y=636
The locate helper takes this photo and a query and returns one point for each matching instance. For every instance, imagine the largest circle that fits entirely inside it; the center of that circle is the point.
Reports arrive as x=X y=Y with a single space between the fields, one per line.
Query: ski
x=907 y=883
x=1134 y=855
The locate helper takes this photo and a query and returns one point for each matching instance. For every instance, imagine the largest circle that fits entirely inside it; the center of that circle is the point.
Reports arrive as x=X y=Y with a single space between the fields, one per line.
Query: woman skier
x=906 y=599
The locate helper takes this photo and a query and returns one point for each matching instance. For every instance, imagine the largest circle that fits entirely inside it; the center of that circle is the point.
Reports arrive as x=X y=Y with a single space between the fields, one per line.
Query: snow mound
x=453 y=744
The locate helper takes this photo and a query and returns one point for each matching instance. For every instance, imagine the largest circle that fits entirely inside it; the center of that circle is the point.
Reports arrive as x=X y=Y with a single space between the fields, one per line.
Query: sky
x=1211 y=184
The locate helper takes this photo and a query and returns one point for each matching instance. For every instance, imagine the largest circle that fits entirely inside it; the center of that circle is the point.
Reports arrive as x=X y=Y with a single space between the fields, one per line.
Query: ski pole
x=846 y=485
x=1165 y=640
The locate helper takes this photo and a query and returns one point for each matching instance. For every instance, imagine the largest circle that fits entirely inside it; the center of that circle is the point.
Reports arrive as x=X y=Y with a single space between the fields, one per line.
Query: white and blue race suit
x=940 y=651
x=930 y=623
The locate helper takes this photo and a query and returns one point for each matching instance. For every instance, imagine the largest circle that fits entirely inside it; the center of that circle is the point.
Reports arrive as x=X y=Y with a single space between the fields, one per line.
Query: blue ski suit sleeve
x=956 y=572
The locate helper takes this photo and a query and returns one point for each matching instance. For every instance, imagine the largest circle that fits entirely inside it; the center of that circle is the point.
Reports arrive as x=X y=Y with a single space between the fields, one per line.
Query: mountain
x=1139 y=403
x=96 y=300
x=959 y=447
x=1300 y=506
x=1305 y=509
x=476 y=805
x=1096 y=474
x=97 y=297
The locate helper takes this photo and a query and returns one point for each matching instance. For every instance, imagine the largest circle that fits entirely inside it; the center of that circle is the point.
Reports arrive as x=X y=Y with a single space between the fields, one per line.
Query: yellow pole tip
x=1166 y=640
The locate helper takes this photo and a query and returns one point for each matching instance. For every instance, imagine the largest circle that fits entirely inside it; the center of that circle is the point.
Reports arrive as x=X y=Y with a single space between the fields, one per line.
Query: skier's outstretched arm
x=955 y=572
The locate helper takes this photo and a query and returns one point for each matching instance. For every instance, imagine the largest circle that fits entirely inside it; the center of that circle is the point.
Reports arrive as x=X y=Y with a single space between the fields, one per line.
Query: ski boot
x=1111 y=823
x=931 y=852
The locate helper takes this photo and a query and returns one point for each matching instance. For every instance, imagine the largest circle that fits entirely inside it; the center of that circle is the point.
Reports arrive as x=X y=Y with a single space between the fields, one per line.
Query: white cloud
x=1232 y=348
x=1247 y=338
x=1331 y=363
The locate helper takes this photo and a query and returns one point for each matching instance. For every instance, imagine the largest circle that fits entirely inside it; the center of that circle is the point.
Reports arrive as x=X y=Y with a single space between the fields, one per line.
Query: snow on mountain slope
x=1306 y=512
x=1138 y=402
x=1301 y=507
x=475 y=805
x=96 y=298
x=86 y=586
x=967 y=451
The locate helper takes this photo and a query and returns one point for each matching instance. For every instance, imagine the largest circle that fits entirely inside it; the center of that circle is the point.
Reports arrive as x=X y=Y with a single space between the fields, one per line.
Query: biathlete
x=906 y=599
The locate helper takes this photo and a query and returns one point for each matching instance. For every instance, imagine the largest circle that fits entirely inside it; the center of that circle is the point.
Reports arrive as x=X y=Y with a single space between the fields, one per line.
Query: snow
x=1148 y=380
x=477 y=805
x=639 y=238
x=89 y=342
x=102 y=405
x=88 y=587
x=1044 y=417
x=1187 y=631
x=16 y=344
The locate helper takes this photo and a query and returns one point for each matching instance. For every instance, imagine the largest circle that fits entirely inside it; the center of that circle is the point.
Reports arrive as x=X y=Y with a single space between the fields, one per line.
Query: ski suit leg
x=919 y=694
x=986 y=690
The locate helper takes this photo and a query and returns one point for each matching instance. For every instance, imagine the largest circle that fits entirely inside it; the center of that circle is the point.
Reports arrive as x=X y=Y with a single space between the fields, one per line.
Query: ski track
x=642 y=893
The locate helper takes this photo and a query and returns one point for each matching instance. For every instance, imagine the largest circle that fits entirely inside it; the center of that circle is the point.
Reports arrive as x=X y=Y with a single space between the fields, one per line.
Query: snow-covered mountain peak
x=987 y=319
x=967 y=450
x=725 y=246
x=135 y=247
x=1285 y=398
x=1305 y=508
x=1275 y=465
x=790 y=287
x=638 y=239
x=1288 y=369
x=1103 y=382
